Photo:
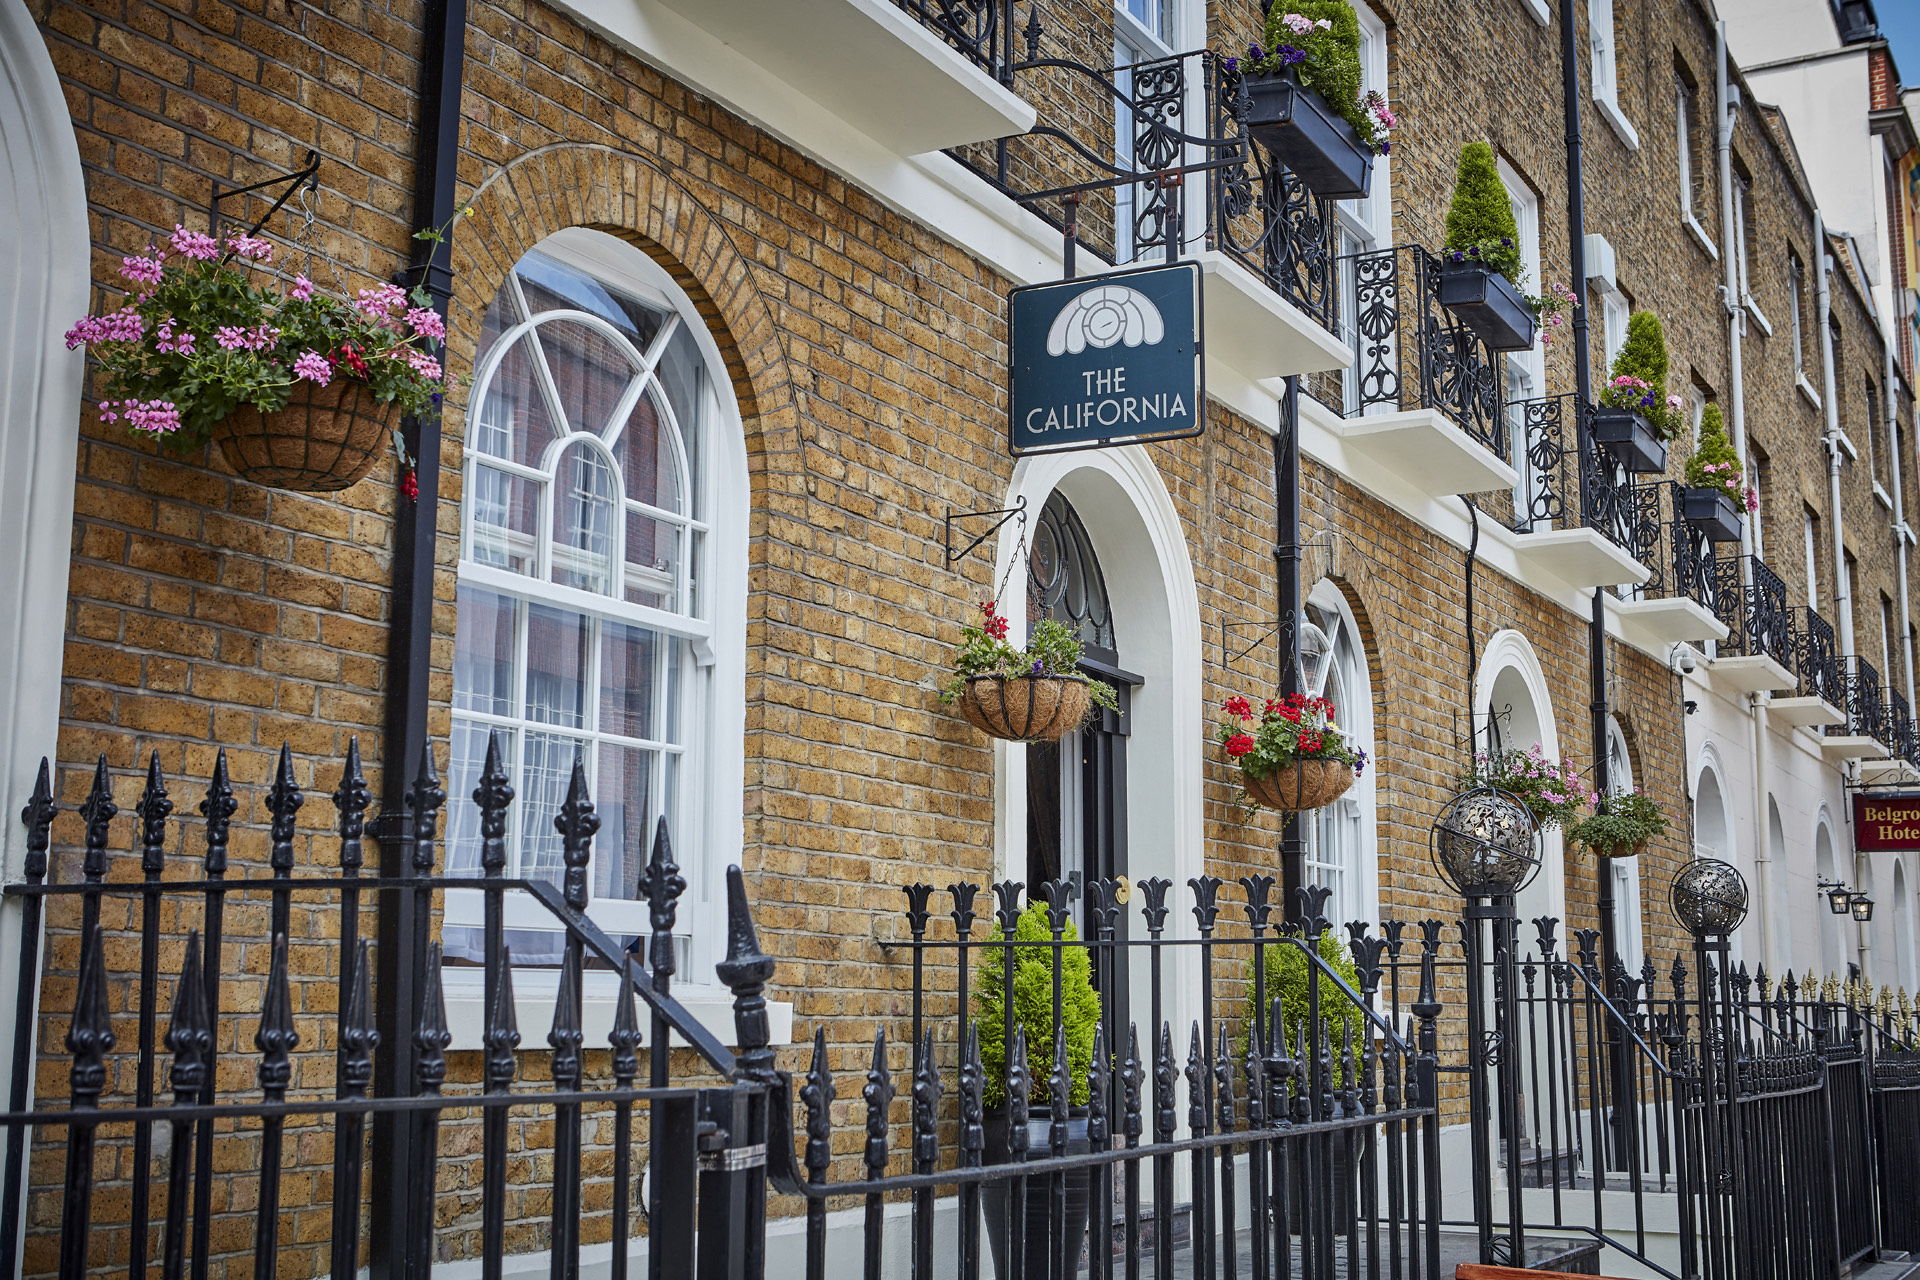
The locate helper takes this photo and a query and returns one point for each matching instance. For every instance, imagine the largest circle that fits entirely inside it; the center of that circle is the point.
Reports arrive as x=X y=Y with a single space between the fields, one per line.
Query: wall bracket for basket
x=308 y=176
x=1018 y=509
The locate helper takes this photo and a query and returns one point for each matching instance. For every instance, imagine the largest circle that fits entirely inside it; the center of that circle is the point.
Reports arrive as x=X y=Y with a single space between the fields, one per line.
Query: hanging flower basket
x=1025 y=708
x=1302 y=785
x=1611 y=851
x=327 y=438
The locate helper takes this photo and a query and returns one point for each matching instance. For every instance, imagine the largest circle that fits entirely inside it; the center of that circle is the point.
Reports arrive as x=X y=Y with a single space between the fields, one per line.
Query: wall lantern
x=1710 y=897
x=1838 y=896
x=1314 y=650
x=1486 y=843
x=1862 y=907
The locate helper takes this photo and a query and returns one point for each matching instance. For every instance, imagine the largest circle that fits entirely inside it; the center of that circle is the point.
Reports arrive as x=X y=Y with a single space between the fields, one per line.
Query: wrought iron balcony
x=1563 y=485
x=1752 y=602
x=1901 y=739
x=1862 y=700
x=979 y=29
x=1681 y=559
x=1819 y=662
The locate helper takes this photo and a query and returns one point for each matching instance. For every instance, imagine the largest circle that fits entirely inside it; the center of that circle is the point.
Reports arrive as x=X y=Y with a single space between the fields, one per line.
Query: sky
x=1900 y=24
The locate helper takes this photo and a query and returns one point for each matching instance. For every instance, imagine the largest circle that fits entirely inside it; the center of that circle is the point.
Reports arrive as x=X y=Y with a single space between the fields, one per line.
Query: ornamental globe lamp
x=1709 y=897
x=1862 y=907
x=1486 y=843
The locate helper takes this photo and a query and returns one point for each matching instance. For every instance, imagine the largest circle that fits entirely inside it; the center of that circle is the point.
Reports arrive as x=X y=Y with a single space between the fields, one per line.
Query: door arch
x=1833 y=945
x=1512 y=687
x=1625 y=871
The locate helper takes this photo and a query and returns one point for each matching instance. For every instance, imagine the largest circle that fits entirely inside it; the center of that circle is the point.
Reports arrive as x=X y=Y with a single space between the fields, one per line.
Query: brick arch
x=577 y=185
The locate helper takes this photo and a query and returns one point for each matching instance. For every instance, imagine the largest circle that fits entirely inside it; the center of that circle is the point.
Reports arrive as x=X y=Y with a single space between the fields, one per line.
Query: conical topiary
x=1714 y=464
x=1480 y=226
x=1638 y=379
x=1327 y=60
x=1033 y=1005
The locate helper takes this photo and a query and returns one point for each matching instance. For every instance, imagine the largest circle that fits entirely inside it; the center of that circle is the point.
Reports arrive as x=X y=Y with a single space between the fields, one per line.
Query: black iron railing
x=1819 y=664
x=1752 y=604
x=979 y=29
x=1680 y=558
x=1861 y=699
x=1562 y=484
x=1899 y=738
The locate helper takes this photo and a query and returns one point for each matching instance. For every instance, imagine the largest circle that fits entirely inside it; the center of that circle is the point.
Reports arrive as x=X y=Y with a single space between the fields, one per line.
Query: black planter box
x=1487 y=303
x=996 y=1197
x=1294 y=124
x=1714 y=513
x=1631 y=439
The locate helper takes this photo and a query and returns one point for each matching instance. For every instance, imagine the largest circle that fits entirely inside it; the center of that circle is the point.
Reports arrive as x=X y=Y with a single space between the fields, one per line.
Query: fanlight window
x=582 y=633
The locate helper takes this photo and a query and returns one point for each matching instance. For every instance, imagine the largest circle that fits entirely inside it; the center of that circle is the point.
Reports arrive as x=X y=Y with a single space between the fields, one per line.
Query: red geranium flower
x=1238 y=708
x=1239 y=744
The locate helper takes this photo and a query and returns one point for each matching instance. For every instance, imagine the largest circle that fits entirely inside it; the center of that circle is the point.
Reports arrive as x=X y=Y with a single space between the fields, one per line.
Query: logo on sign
x=1110 y=360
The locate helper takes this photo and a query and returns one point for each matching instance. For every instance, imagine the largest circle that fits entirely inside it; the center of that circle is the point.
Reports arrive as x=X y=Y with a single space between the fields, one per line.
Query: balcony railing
x=1901 y=739
x=1681 y=561
x=1753 y=604
x=1819 y=665
x=1565 y=486
x=1861 y=699
x=977 y=28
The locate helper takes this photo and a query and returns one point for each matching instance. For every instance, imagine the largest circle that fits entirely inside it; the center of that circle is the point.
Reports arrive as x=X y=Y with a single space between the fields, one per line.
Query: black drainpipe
x=399 y=938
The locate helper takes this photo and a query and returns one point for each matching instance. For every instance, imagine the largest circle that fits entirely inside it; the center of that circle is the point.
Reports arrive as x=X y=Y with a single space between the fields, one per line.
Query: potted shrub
x=1717 y=493
x=1293 y=756
x=1620 y=825
x=1036 y=694
x=1552 y=790
x=1636 y=416
x=1480 y=270
x=1305 y=105
x=300 y=389
x=1033 y=1014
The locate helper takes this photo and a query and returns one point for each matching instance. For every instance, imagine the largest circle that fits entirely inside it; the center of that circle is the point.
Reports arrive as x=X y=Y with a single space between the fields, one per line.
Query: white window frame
x=1134 y=41
x=1686 y=101
x=1355 y=816
x=1526 y=370
x=1606 y=72
x=1626 y=871
x=709 y=827
x=1361 y=226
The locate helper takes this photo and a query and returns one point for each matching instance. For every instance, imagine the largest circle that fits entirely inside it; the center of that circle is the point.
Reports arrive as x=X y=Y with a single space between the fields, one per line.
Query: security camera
x=1683 y=659
x=1691 y=706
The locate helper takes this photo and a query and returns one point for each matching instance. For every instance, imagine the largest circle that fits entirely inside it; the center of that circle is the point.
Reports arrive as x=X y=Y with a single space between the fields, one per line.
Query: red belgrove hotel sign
x=1883 y=824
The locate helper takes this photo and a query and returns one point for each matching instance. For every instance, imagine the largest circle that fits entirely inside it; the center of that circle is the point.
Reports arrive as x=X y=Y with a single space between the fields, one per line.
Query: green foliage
x=1319 y=40
x=1052 y=650
x=1288 y=976
x=1626 y=817
x=1288 y=729
x=1552 y=790
x=1480 y=226
x=1033 y=1006
x=1714 y=464
x=1638 y=379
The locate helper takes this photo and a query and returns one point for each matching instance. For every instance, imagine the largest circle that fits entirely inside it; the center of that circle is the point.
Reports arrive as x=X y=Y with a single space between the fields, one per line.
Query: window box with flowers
x=1481 y=269
x=1635 y=417
x=1717 y=494
x=1304 y=101
x=1619 y=826
x=1292 y=757
x=1036 y=694
x=301 y=390
x=1552 y=790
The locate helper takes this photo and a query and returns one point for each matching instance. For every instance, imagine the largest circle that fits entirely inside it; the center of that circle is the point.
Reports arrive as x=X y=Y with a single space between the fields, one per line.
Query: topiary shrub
x=1714 y=464
x=1288 y=972
x=1480 y=226
x=1320 y=41
x=1638 y=379
x=1033 y=1006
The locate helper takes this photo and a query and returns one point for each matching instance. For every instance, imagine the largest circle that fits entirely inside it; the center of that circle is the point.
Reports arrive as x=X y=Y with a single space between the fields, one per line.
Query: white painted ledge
x=1855 y=746
x=535 y=990
x=1751 y=673
x=1582 y=558
x=869 y=63
x=1889 y=773
x=1426 y=449
x=1656 y=625
x=1254 y=331
x=1804 y=713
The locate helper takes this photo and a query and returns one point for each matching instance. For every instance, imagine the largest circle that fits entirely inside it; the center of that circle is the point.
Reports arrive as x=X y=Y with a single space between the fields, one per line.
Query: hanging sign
x=1885 y=824
x=1106 y=360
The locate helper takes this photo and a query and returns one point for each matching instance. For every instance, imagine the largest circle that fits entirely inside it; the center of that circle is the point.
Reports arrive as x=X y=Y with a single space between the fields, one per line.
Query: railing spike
x=1206 y=903
x=1253 y=1073
x=1131 y=1072
x=90 y=1034
x=1059 y=896
x=503 y=1029
x=1223 y=1082
x=973 y=1079
x=918 y=896
x=189 y=1035
x=1018 y=1086
x=624 y=1038
x=493 y=795
x=1259 y=910
x=1006 y=894
x=817 y=1096
x=565 y=1037
x=926 y=1107
x=350 y=802
x=37 y=815
x=1196 y=1086
x=154 y=807
x=283 y=802
x=1165 y=1073
x=1059 y=1092
x=432 y=1037
x=878 y=1095
x=1153 y=902
x=1099 y=1123
x=276 y=1038
x=662 y=886
x=99 y=812
x=358 y=1038
x=746 y=971
x=424 y=799
x=218 y=808
x=577 y=824
x=963 y=913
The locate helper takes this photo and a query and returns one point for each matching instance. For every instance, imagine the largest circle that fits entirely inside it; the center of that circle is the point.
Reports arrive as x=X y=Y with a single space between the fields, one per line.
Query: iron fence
x=1858 y=685
x=1819 y=664
x=1681 y=559
x=1752 y=602
x=1563 y=485
x=978 y=29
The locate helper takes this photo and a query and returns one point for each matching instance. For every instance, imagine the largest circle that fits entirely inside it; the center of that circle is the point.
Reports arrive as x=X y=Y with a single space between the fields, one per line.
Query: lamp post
x=1486 y=843
x=1710 y=898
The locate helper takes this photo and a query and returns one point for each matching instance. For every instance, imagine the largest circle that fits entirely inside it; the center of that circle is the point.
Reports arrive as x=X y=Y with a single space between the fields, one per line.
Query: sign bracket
x=1018 y=509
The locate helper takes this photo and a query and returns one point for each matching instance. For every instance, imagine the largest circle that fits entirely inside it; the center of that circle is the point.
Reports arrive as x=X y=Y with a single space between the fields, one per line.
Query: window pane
x=556 y=667
x=553 y=286
x=624 y=797
x=682 y=372
x=505 y=510
x=647 y=462
x=583 y=514
x=589 y=370
x=630 y=678
x=483 y=643
x=653 y=562
x=501 y=316
x=513 y=422
x=550 y=758
x=463 y=818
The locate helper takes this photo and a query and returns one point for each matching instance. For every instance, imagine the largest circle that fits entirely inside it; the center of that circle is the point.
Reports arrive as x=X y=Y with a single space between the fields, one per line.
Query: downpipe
x=1889 y=380
x=1737 y=416
x=1823 y=310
